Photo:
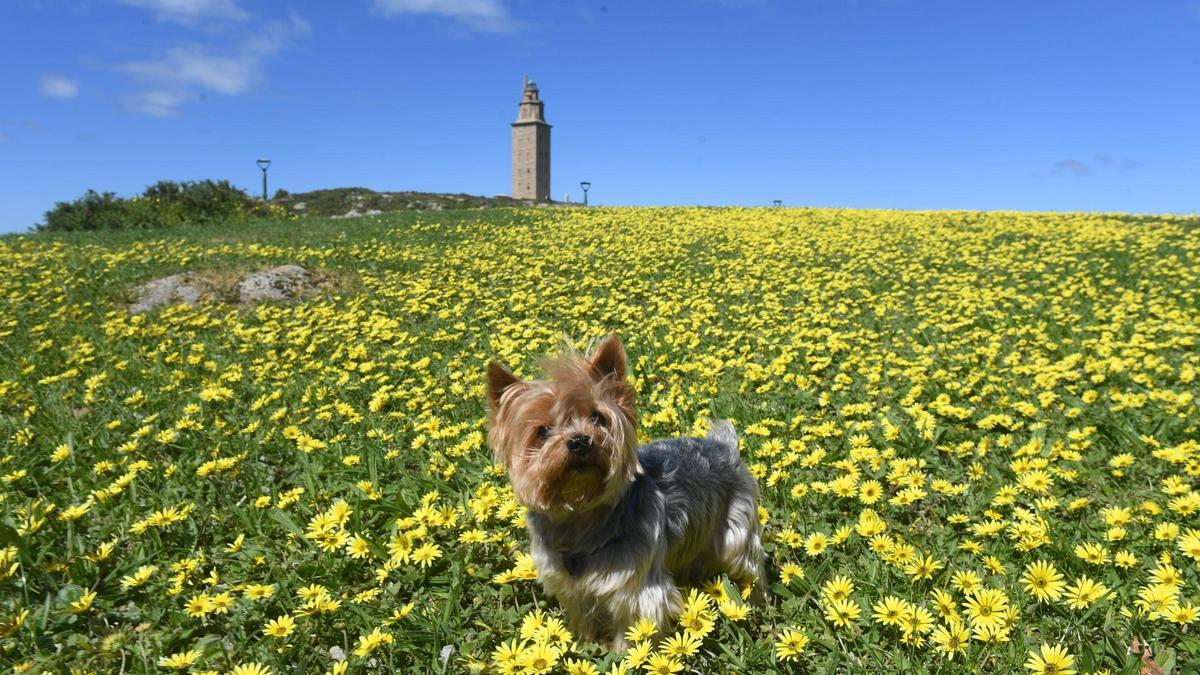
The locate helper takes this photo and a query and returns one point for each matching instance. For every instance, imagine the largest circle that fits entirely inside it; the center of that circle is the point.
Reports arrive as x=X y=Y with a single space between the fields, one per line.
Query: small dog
x=615 y=527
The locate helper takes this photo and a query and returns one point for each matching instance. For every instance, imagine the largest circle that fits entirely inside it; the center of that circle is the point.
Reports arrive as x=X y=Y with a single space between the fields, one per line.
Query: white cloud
x=182 y=73
x=483 y=15
x=273 y=36
x=158 y=103
x=191 y=11
x=187 y=67
x=57 y=86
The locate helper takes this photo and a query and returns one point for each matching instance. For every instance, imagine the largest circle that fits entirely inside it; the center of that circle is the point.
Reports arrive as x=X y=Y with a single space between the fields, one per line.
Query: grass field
x=976 y=436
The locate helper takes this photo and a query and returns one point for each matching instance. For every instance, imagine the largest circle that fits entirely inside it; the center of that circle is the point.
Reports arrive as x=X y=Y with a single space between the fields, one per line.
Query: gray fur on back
x=686 y=484
x=699 y=478
x=722 y=432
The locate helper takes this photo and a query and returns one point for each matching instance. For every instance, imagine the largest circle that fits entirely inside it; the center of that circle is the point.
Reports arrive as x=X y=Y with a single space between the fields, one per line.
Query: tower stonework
x=531 y=148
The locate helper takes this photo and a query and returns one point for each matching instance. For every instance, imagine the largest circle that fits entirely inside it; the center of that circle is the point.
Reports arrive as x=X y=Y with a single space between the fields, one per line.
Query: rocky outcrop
x=276 y=284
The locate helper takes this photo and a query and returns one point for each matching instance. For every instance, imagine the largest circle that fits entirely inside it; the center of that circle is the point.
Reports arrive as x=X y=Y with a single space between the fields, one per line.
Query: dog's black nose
x=580 y=445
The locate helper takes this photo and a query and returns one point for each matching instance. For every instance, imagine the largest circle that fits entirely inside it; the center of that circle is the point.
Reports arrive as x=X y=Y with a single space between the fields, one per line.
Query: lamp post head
x=585 y=185
x=263 y=163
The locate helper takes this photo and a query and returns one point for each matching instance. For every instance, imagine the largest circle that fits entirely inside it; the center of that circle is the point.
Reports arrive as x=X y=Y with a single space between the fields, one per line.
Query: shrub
x=164 y=204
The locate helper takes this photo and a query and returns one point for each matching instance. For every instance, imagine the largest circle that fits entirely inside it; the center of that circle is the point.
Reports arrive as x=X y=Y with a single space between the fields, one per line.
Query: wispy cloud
x=480 y=15
x=191 y=12
x=1119 y=163
x=193 y=67
x=1082 y=169
x=57 y=86
x=185 y=73
x=1073 y=166
x=158 y=103
x=3 y=137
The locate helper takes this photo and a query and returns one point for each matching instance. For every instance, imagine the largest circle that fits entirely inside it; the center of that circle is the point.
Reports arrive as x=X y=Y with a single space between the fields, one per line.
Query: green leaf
x=286 y=521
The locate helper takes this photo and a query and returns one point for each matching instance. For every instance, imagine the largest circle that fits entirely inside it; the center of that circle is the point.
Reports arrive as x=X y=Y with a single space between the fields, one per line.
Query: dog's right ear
x=608 y=359
x=499 y=380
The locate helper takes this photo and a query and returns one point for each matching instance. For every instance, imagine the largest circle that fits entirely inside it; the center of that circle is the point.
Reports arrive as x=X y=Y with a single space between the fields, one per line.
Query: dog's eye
x=543 y=433
x=597 y=419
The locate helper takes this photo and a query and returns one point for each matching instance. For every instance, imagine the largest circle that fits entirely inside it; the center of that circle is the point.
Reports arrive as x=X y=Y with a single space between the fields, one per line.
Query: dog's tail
x=722 y=432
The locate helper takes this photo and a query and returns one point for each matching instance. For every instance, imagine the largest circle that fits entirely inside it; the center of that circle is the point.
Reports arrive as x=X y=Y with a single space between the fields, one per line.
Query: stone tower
x=531 y=148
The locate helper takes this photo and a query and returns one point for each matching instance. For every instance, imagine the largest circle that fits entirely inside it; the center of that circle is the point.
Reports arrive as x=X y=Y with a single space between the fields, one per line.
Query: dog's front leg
x=633 y=583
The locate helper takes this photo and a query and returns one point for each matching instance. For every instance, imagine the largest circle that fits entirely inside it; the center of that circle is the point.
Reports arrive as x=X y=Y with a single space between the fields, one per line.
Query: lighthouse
x=531 y=148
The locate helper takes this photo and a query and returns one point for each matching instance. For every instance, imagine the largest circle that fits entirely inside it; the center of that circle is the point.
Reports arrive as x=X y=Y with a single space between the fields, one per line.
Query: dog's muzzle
x=580 y=445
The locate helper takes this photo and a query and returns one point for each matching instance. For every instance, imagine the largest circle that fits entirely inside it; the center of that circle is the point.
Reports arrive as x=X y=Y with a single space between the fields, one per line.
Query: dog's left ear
x=608 y=360
x=499 y=380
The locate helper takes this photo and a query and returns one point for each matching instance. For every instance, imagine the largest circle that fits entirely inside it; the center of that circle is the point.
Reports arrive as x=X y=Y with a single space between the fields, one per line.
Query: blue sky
x=1064 y=105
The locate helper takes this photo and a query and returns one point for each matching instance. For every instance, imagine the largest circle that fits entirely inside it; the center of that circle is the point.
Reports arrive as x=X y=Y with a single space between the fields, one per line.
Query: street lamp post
x=778 y=203
x=264 y=164
x=585 y=185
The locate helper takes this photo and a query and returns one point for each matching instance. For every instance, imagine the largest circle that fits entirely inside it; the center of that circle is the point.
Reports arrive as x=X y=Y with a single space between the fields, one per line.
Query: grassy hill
x=350 y=202
x=940 y=407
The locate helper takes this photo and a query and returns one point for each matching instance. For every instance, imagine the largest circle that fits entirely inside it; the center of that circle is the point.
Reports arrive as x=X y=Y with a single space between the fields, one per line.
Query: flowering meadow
x=976 y=434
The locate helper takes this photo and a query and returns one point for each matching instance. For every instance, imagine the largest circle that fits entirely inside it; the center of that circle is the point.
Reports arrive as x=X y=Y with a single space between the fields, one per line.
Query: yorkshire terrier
x=614 y=527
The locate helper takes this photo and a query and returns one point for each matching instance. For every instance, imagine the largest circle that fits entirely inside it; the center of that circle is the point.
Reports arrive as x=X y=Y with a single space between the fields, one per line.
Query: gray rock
x=285 y=282
x=172 y=290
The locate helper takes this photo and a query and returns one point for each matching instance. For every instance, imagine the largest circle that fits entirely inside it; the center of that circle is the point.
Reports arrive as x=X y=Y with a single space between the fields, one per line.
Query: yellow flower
x=734 y=611
x=837 y=588
x=199 y=605
x=578 y=667
x=891 y=611
x=788 y=571
x=280 y=627
x=138 y=578
x=553 y=632
x=1043 y=581
x=1084 y=592
x=179 y=660
x=539 y=658
x=84 y=603
x=643 y=629
x=638 y=653
x=1092 y=553
x=371 y=641
x=1051 y=661
x=923 y=568
x=661 y=664
x=221 y=603
x=918 y=622
x=358 y=547
x=258 y=592
x=426 y=554
x=987 y=607
x=842 y=613
x=966 y=581
x=1182 y=614
x=682 y=644
x=507 y=655
x=790 y=645
x=951 y=639
x=815 y=544
x=532 y=624
x=250 y=669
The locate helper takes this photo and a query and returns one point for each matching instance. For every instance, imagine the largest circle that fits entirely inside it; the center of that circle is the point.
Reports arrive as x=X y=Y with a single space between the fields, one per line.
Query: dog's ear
x=499 y=380
x=608 y=360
